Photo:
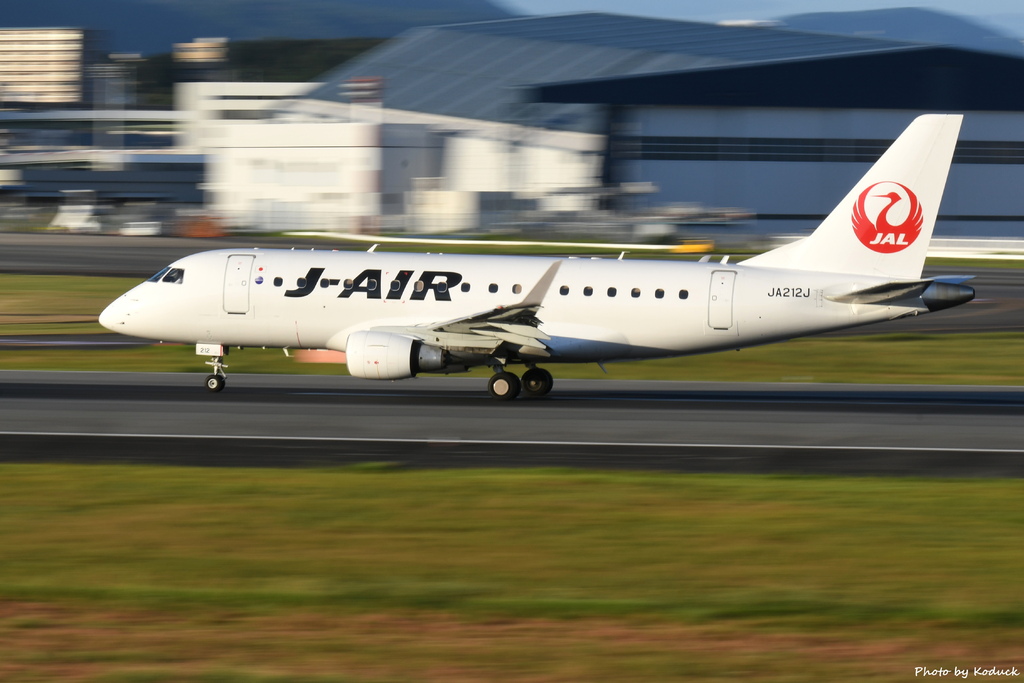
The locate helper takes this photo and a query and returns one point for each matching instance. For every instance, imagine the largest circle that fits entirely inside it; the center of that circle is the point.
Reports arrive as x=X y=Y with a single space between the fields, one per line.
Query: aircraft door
x=720 y=313
x=237 y=275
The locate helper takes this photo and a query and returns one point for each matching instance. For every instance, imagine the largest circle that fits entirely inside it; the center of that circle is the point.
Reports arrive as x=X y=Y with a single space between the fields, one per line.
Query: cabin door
x=720 y=300
x=237 y=276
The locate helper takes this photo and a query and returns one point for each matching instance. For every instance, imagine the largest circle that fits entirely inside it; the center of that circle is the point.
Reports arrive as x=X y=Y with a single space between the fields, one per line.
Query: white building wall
x=477 y=164
x=208 y=106
x=316 y=176
x=296 y=176
x=343 y=167
x=532 y=165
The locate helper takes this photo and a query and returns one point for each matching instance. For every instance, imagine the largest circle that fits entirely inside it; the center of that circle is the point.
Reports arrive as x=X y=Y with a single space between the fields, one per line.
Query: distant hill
x=910 y=24
x=152 y=26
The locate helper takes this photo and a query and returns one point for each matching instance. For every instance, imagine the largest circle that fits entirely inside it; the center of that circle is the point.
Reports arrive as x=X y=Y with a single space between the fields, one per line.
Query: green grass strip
x=538 y=544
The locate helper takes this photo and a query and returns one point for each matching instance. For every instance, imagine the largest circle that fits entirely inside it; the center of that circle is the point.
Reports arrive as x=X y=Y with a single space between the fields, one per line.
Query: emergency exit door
x=237 y=276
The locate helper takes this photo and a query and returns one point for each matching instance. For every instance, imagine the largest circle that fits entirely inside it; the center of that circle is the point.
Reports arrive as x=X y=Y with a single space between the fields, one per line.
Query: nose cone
x=115 y=316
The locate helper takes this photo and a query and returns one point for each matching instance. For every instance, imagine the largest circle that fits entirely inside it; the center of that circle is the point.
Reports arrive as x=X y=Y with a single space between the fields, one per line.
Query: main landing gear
x=505 y=386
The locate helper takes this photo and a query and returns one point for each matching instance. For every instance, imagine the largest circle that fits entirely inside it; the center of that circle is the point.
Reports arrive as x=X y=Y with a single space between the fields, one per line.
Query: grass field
x=373 y=574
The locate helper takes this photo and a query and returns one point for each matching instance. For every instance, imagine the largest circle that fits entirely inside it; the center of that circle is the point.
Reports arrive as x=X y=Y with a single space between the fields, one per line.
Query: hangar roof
x=489 y=70
x=932 y=78
x=727 y=43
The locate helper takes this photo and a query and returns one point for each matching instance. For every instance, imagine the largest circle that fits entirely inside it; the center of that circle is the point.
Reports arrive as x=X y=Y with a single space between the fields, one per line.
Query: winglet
x=536 y=295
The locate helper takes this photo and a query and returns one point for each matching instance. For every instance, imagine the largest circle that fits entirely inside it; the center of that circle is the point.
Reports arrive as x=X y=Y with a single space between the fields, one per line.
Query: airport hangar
x=565 y=110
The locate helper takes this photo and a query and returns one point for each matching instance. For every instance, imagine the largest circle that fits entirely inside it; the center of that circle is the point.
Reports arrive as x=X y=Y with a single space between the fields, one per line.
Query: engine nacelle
x=386 y=355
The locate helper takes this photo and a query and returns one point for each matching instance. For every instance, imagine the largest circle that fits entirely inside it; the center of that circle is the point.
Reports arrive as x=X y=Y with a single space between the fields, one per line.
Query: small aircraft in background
x=397 y=315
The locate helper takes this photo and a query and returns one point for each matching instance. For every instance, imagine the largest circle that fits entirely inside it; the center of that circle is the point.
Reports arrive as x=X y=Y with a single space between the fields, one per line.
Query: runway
x=299 y=421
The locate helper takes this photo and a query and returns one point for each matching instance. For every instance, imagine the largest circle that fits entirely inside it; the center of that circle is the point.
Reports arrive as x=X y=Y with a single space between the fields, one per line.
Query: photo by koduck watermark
x=968 y=672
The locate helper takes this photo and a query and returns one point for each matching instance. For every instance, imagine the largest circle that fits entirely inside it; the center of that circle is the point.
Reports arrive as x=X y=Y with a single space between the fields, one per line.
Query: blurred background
x=180 y=117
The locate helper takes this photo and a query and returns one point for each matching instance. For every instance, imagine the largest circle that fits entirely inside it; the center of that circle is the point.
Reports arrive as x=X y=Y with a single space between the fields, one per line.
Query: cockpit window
x=156 y=278
x=168 y=274
x=175 y=275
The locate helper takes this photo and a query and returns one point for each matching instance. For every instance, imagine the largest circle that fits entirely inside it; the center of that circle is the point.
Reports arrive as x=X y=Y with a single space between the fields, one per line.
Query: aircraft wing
x=516 y=325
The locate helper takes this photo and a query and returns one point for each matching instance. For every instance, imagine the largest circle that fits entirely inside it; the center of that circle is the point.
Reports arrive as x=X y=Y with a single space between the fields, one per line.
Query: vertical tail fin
x=885 y=223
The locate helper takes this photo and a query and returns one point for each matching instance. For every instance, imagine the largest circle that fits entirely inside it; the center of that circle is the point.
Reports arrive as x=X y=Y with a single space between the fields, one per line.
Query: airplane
x=397 y=315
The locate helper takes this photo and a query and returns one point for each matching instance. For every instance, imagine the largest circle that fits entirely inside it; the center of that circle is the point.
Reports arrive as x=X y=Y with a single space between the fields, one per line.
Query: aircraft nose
x=115 y=316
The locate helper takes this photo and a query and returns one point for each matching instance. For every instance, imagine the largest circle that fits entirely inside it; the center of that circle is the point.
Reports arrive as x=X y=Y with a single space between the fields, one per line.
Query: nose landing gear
x=215 y=383
x=219 y=378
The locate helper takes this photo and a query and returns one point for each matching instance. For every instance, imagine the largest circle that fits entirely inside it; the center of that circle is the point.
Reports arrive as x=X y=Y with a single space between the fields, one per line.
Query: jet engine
x=386 y=355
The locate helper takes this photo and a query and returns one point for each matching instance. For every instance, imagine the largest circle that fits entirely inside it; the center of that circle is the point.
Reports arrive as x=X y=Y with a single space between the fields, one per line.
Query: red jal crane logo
x=887 y=202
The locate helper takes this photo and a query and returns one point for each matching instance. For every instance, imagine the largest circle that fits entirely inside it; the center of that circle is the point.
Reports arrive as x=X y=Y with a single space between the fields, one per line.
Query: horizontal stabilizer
x=953 y=279
x=882 y=294
x=937 y=294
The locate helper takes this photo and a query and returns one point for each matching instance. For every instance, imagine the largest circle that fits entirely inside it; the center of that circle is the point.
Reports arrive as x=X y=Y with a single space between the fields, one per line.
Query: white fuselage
x=594 y=310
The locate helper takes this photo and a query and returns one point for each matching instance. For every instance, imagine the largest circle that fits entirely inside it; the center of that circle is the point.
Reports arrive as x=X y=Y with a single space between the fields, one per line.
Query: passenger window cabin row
x=635 y=293
x=493 y=288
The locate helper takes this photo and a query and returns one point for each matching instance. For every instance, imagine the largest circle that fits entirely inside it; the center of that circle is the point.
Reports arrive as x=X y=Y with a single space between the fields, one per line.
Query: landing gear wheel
x=218 y=379
x=537 y=382
x=504 y=386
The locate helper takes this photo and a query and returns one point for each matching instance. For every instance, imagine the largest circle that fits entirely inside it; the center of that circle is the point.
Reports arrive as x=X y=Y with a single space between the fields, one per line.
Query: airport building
x=577 y=111
x=47 y=66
